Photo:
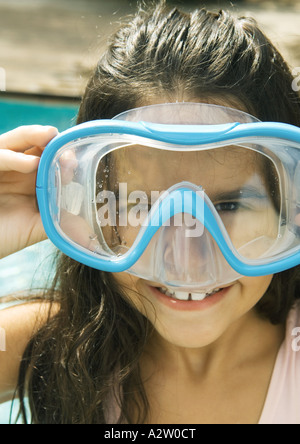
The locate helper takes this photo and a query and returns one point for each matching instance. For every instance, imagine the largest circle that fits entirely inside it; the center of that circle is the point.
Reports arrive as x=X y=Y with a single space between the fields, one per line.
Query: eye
x=227 y=206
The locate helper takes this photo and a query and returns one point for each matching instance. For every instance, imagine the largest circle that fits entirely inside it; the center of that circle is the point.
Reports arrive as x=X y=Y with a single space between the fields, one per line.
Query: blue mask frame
x=171 y=134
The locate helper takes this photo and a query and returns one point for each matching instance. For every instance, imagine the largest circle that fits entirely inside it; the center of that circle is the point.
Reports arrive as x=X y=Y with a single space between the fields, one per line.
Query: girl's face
x=234 y=180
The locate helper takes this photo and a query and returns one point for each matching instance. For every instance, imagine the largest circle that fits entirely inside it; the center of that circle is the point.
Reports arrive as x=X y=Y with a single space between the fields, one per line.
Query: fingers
x=25 y=137
x=297 y=220
x=68 y=163
x=12 y=161
x=77 y=229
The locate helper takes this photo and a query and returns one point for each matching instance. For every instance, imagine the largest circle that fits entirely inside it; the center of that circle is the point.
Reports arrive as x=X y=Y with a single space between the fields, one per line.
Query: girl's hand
x=20 y=222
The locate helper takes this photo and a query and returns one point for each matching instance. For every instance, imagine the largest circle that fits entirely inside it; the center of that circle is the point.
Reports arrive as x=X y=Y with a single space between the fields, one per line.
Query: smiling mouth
x=188 y=296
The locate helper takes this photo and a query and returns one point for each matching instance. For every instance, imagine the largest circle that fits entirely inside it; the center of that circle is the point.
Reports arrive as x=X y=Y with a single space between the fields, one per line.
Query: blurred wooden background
x=50 y=46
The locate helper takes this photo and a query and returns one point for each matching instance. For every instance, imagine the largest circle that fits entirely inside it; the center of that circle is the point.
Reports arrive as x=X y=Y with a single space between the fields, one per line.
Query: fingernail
x=51 y=129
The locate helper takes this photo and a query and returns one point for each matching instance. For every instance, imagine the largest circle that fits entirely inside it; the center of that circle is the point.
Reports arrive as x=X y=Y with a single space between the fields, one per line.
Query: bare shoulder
x=17 y=325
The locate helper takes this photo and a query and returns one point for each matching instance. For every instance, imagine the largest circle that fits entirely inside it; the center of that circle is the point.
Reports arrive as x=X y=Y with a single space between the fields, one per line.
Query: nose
x=186 y=259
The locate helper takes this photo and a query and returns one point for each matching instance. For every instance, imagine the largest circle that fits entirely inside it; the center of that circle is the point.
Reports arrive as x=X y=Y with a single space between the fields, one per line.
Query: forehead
x=135 y=154
x=152 y=164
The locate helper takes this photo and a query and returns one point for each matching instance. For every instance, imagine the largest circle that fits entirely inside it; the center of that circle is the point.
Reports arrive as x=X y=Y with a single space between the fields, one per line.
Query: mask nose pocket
x=182 y=252
x=182 y=258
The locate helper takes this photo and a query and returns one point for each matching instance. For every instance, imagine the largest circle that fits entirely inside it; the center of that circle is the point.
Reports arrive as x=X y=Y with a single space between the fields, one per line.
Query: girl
x=114 y=347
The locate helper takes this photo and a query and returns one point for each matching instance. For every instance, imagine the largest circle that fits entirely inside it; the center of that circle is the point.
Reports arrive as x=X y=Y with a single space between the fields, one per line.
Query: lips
x=190 y=301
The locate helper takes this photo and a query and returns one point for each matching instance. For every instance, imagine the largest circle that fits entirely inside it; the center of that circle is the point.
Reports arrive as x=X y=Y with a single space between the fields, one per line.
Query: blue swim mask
x=190 y=196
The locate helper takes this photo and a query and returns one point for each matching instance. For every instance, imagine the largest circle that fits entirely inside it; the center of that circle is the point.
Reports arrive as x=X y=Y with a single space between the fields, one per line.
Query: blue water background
x=32 y=267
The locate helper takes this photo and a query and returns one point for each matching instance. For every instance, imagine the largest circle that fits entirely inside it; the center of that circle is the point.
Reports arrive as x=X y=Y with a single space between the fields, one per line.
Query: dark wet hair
x=190 y=57
x=86 y=358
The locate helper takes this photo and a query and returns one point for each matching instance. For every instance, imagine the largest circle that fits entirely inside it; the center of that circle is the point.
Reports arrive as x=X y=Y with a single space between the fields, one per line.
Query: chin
x=189 y=335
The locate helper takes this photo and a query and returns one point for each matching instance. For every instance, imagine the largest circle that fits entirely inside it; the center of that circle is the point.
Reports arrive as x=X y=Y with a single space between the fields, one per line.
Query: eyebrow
x=245 y=192
x=240 y=193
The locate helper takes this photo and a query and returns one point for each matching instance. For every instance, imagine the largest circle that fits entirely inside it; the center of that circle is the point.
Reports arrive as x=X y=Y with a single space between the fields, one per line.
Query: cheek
x=132 y=292
x=254 y=288
x=127 y=282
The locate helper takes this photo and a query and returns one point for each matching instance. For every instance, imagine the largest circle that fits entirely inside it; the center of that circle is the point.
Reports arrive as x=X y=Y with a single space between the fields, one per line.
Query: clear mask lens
x=105 y=189
x=104 y=203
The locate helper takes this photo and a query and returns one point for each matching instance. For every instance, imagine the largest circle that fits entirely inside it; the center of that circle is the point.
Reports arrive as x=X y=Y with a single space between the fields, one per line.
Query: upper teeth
x=185 y=296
